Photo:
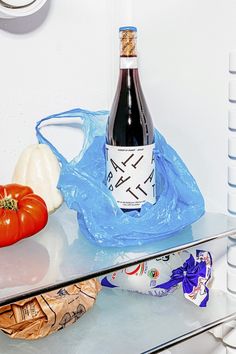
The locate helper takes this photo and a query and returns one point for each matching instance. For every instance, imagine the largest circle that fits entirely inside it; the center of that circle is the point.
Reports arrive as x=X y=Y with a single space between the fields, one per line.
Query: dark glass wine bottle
x=130 y=134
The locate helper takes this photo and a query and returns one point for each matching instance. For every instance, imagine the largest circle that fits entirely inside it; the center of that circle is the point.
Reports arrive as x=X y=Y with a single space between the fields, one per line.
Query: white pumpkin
x=39 y=169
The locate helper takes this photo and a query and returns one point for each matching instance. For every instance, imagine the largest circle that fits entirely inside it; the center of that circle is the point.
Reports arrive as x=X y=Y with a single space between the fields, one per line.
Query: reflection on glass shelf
x=125 y=322
x=60 y=255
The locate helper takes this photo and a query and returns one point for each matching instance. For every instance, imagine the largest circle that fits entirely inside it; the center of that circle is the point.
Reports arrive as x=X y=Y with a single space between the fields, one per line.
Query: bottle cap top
x=128 y=28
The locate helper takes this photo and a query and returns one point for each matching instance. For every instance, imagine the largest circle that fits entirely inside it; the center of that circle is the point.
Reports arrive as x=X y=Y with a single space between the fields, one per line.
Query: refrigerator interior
x=67 y=55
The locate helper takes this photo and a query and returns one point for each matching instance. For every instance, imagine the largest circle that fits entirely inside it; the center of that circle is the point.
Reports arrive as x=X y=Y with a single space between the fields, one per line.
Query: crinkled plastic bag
x=82 y=182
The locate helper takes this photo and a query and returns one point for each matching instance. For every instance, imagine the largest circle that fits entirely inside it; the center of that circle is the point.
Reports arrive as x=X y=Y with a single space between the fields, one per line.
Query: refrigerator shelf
x=139 y=323
x=59 y=255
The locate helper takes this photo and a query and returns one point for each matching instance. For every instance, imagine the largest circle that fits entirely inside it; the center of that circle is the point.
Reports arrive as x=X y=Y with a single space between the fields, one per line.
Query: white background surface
x=66 y=56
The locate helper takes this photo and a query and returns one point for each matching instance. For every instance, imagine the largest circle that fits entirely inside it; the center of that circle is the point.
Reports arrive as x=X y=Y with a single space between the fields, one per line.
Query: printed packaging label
x=131 y=175
x=144 y=277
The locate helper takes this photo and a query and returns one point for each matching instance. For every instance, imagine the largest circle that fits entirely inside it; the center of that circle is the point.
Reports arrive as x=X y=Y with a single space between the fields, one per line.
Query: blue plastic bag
x=82 y=182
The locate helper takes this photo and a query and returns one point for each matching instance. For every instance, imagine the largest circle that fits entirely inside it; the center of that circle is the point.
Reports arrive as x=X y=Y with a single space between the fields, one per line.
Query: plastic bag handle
x=74 y=113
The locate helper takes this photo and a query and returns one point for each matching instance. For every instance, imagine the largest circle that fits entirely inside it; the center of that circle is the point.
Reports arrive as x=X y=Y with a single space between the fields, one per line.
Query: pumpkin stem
x=8 y=203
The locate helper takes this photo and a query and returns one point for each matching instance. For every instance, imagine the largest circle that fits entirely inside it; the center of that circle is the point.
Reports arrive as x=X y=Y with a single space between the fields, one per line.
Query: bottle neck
x=128 y=51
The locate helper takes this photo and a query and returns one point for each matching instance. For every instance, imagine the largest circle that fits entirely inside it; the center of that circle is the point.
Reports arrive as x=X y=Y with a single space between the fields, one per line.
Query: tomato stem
x=8 y=203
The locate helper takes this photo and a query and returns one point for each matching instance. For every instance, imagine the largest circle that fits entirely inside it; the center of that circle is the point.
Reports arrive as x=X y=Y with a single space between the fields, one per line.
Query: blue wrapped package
x=82 y=182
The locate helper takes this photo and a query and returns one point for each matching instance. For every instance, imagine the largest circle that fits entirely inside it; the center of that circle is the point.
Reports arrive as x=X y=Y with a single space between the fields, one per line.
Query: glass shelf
x=59 y=255
x=139 y=323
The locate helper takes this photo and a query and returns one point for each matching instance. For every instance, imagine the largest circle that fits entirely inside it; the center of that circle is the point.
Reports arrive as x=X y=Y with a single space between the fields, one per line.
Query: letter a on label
x=116 y=167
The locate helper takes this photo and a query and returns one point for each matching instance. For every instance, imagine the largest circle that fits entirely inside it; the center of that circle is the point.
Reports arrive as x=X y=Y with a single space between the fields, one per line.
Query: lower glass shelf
x=131 y=323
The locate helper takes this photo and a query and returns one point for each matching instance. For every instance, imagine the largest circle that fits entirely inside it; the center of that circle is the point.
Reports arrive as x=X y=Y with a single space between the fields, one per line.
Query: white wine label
x=131 y=175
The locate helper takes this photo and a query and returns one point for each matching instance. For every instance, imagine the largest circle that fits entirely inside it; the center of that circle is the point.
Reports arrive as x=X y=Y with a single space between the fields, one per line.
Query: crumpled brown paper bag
x=44 y=314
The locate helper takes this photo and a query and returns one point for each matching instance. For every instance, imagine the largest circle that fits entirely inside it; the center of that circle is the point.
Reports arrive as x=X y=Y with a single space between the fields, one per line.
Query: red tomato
x=22 y=213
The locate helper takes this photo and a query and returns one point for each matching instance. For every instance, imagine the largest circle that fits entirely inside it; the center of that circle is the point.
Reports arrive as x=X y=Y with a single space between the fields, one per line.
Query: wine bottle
x=130 y=174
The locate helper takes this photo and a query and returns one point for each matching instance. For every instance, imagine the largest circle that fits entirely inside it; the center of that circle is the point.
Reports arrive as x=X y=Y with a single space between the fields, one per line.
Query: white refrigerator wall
x=66 y=56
